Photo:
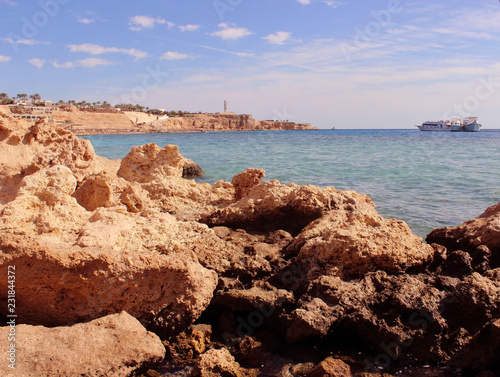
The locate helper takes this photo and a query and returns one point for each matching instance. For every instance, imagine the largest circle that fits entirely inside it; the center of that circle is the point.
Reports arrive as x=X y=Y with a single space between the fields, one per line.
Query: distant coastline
x=116 y=121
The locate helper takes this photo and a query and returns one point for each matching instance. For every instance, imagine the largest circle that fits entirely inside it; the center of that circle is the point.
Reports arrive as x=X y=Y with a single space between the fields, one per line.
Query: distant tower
x=225 y=106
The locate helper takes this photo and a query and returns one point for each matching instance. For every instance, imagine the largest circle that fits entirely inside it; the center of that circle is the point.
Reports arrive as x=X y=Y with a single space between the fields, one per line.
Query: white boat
x=435 y=125
x=468 y=124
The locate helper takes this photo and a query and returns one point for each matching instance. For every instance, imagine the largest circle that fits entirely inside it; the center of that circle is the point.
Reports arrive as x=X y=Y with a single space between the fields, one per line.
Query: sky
x=347 y=64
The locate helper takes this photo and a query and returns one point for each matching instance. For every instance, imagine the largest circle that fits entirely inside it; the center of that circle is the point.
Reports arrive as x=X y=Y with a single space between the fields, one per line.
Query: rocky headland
x=82 y=122
x=128 y=267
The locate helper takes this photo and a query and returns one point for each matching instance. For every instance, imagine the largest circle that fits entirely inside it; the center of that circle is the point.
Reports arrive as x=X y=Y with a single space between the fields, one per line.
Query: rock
x=79 y=266
x=331 y=367
x=115 y=345
x=188 y=345
x=484 y=230
x=26 y=149
x=353 y=243
x=247 y=180
x=149 y=162
x=482 y=351
x=271 y=206
x=216 y=363
x=104 y=190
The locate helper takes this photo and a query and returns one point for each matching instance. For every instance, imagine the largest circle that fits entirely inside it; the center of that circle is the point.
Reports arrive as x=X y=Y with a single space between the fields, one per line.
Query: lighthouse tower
x=225 y=106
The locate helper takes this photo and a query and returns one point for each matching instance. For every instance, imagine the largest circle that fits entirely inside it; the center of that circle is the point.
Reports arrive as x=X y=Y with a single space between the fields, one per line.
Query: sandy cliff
x=134 y=122
x=245 y=278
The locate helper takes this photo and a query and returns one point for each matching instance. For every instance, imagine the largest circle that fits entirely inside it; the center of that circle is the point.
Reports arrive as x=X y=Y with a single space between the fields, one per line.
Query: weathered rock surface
x=483 y=231
x=247 y=180
x=331 y=367
x=114 y=346
x=148 y=162
x=216 y=363
x=290 y=274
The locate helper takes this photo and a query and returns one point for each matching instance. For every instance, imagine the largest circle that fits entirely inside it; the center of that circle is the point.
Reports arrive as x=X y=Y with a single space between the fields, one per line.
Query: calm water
x=427 y=179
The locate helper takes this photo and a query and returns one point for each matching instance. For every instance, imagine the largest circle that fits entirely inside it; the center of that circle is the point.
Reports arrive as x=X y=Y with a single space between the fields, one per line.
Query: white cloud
x=174 y=55
x=4 y=59
x=94 y=49
x=305 y=2
x=228 y=32
x=85 y=63
x=37 y=62
x=138 y=23
x=278 y=38
x=24 y=41
x=85 y=20
x=333 y=4
x=189 y=27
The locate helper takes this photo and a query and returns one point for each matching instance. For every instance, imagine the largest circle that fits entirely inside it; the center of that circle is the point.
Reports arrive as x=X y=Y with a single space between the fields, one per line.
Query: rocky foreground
x=129 y=268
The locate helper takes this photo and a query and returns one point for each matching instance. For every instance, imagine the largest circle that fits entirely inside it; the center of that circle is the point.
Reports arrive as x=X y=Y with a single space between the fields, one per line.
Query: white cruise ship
x=468 y=124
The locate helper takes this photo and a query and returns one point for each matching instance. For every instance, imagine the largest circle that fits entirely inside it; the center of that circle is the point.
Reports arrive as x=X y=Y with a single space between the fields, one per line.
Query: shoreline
x=243 y=278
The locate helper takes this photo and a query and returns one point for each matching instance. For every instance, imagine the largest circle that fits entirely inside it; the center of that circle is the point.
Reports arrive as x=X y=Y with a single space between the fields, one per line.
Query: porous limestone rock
x=79 y=265
x=26 y=149
x=271 y=206
x=116 y=346
x=353 y=243
x=331 y=367
x=216 y=363
x=483 y=231
x=247 y=180
x=149 y=162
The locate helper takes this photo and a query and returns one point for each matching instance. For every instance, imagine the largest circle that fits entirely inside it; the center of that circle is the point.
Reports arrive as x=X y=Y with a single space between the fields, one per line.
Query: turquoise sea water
x=427 y=179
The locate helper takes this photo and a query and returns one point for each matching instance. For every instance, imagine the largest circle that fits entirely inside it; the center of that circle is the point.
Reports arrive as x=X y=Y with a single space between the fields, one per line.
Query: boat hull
x=476 y=127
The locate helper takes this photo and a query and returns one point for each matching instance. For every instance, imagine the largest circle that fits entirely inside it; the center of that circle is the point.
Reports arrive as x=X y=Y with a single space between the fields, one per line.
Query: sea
x=427 y=179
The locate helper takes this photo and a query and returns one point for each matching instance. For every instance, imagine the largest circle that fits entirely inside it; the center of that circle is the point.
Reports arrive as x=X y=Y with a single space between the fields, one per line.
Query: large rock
x=26 y=149
x=271 y=205
x=244 y=182
x=353 y=243
x=149 y=162
x=481 y=231
x=78 y=265
x=115 y=346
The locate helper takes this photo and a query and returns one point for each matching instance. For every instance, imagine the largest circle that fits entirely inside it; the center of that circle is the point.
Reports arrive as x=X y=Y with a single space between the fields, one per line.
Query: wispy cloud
x=24 y=41
x=278 y=38
x=85 y=20
x=85 y=63
x=4 y=59
x=305 y=2
x=8 y=2
x=189 y=27
x=174 y=55
x=94 y=49
x=37 y=62
x=137 y=23
x=230 y=32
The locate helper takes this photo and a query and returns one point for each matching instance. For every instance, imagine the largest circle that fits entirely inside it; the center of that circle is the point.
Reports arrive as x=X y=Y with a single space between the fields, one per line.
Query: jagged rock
x=484 y=230
x=149 y=162
x=115 y=345
x=104 y=190
x=331 y=367
x=352 y=243
x=79 y=266
x=247 y=180
x=188 y=345
x=26 y=149
x=216 y=363
x=271 y=205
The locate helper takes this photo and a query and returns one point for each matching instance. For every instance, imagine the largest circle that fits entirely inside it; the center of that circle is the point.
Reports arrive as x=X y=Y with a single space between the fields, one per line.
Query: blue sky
x=349 y=64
